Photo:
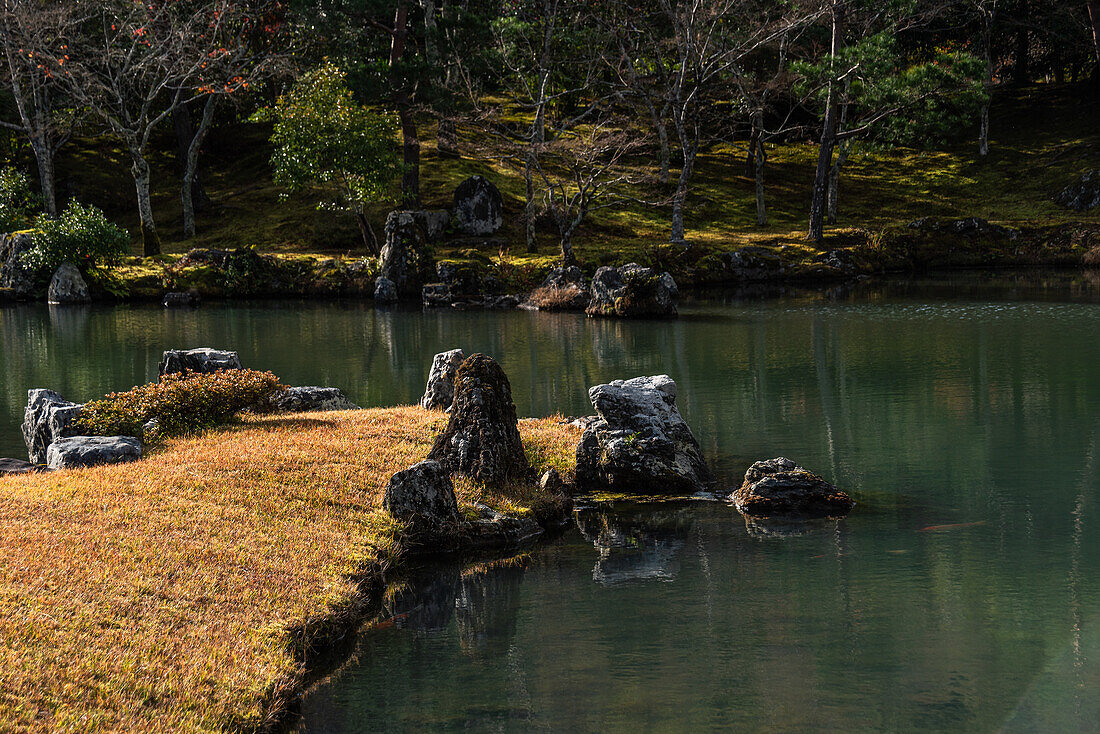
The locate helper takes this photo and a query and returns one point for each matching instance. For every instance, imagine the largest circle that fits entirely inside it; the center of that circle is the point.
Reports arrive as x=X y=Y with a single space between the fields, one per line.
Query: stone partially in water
x=47 y=417
x=640 y=443
x=422 y=496
x=632 y=291
x=781 y=487
x=312 y=397
x=67 y=286
x=406 y=259
x=81 y=451
x=440 y=390
x=203 y=359
x=482 y=438
x=384 y=290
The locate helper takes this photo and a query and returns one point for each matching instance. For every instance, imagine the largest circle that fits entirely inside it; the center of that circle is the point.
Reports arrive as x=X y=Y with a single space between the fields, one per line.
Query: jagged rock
x=81 y=451
x=968 y=227
x=17 y=466
x=47 y=417
x=203 y=359
x=405 y=257
x=640 y=442
x=632 y=291
x=311 y=397
x=482 y=437
x=384 y=290
x=478 y=207
x=422 y=496
x=564 y=289
x=439 y=392
x=781 y=487
x=67 y=286
x=432 y=222
x=1083 y=194
x=14 y=273
x=182 y=300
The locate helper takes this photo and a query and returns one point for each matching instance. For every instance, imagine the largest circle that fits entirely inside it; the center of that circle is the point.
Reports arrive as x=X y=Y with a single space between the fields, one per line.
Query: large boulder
x=80 y=451
x=632 y=291
x=67 y=286
x=640 y=442
x=203 y=359
x=1083 y=194
x=422 y=496
x=406 y=259
x=47 y=417
x=478 y=207
x=17 y=466
x=564 y=289
x=780 y=487
x=482 y=436
x=311 y=397
x=439 y=392
x=15 y=274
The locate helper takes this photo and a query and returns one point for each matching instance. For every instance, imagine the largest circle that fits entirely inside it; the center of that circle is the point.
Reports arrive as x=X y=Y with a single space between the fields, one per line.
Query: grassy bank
x=188 y=591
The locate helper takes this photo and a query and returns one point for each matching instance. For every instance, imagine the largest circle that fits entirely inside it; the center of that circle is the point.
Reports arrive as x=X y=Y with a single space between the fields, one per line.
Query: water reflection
x=634 y=546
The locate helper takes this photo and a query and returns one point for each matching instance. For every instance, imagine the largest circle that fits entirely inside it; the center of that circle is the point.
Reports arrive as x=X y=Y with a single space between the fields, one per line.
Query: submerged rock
x=1083 y=194
x=781 y=487
x=312 y=397
x=440 y=390
x=47 y=417
x=203 y=359
x=67 y=286
x=640 y=443
x=632 y=291
x=478 y=207
x=422 y=496
x=482 y=437
x=80 y=451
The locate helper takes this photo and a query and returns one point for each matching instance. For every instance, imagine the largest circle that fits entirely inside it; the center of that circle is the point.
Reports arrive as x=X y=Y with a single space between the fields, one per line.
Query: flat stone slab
x=81 y=451
x=17 y=466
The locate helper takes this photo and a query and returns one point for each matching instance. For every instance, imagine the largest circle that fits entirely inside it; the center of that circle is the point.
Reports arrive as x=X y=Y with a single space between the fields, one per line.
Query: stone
x=478 y=207
x=551 y=482
x=564 y=289
x=435 y=295
x=439 y=391
x=67 y=286
x=781 y=487
x=461 y=279
x=482 y=438
x=384 y=290
x=632 y=291
x=422 y=496
x=15 y=274
x=187 y=299
x=82 y=451
x=203 y=359
x=17 y=466
x=640 y=443
x=311 y=398
x=752 y=265
x=405 y=257
x=47 y=418
x=967 y=227
x=1083 y=194
x=432 y=222
x=839 y=260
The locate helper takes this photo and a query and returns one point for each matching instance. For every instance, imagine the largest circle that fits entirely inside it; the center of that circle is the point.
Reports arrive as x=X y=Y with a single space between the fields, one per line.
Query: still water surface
x=962 y=594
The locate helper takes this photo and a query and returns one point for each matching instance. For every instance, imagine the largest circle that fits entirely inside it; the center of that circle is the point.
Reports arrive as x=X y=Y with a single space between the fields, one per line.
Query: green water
x=972 y=403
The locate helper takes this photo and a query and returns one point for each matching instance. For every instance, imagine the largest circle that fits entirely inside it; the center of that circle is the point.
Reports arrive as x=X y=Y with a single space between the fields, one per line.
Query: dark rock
x=494 y=529
x=478 y=207
x=67 y=286
x=311 y=397
x=461 y=279
x=501 y=302
x=840 y=260
x=81 y=451
x=432 y=222
x=188 y=299
x=15 y=275
x=968 y=227
x=47 y=418
x=781 y=487
x=435 y=295
x=482 y=438
x=17 y=466
x=204 y=359
x=752 y=265
x=1083 y=194
x=439 y=392
x=422 y=496
x=384 y=290
x=640 y=443
x=199 y=256
x=632 y=291
x=551 y=482
x=564 y=289
x=406 y=259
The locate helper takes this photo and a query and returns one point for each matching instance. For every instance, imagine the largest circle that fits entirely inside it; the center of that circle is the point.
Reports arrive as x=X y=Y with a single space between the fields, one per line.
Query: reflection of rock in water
x=635 y=547
x=423 y=603
x=764 y=527
x=487 y=606
x=70 y=323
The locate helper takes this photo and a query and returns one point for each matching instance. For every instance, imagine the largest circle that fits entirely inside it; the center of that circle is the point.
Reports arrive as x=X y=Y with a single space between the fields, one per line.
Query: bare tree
x=987 y=11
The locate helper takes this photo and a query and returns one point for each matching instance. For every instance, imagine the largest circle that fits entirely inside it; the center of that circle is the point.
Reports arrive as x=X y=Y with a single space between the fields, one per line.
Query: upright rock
x=14 y=272
x=482 y=437
x=432 y=222
x=440 y=391
x=385 y=291
x=311 y=397
x=779 y=487
x=632 y=291
x=80 y=451
x=203 y=359
x=640 y=443
x=478 y=207
x=67 y=286
x=47 y=418
x=422 y=496
x=406 y=259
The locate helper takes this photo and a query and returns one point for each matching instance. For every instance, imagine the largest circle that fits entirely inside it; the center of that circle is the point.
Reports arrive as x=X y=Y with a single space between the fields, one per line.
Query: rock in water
x=1083 y=194
x=384 y=290
x=188 y=299
x=422 y=496
x=67 y=286
x=80 y=451
x=405 y=257
x=479 y=207
x=781 y=487
x=440 y=390
x=640 y=443
x=14 y=274
x=204 y=360
x=47 y=417
x=482 y=437
x=633 y=292
x=311 y=397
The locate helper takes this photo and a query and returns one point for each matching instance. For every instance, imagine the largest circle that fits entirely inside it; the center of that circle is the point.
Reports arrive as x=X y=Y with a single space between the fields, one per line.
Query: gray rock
x=778 y=487
x=494 y=529
x=17 y=466
x=405 y=257
x=81 y=451
x=752 y=265
x=14 y=273
x=432 y=222
x=47 y=417
x=439 y=391
x=478 y=207
x=384 y=290
x=1083 y=194
x=632 y=291
x=422 y=496
x=67 y=286
x=640 y=442
x=840 y=260
x=311 y=397
x=203 y=359
x=181 y=300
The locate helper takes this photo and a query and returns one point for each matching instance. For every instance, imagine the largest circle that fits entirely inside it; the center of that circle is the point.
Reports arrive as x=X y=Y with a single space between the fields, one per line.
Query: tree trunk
x=567 y=257
x=410 y=146
x=1094 y=21
x=46 y=178
x=529 y=202
x=191 y=166
x=750 y=155
x=150 y=241
x=816 y=231
x=370 y=241
x=759 y=159
x=987 y=82
x=680 y=197
x=185 y=136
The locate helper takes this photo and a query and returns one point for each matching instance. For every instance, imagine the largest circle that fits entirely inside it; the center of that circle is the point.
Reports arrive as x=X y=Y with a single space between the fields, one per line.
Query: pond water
x=962 y=594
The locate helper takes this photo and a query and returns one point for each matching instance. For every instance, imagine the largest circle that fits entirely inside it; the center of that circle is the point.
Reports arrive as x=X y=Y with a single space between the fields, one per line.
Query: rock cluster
x=203 y=359
x=439 y=392
x=478 y=207
x=968 y=227
x=47 y=418
x=422 y=496
x=1083 y=194
x=780 y=487
x=632 y=291
x=81 y=451
x=186 y=299
x=640 y=442
x=311 y=398
x=67 y=286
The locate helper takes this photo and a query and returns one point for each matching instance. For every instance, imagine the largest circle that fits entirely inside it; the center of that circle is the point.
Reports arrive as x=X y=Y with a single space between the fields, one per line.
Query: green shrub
x=180 y=404
x=81 y=235
x=16 y=200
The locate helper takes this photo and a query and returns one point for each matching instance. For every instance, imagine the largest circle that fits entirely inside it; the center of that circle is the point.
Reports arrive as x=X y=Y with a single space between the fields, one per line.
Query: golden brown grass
x=180 y=593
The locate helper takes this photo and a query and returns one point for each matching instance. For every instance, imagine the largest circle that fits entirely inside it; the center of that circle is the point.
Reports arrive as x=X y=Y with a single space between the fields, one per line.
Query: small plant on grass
x=16 y=200
x=81 y=235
